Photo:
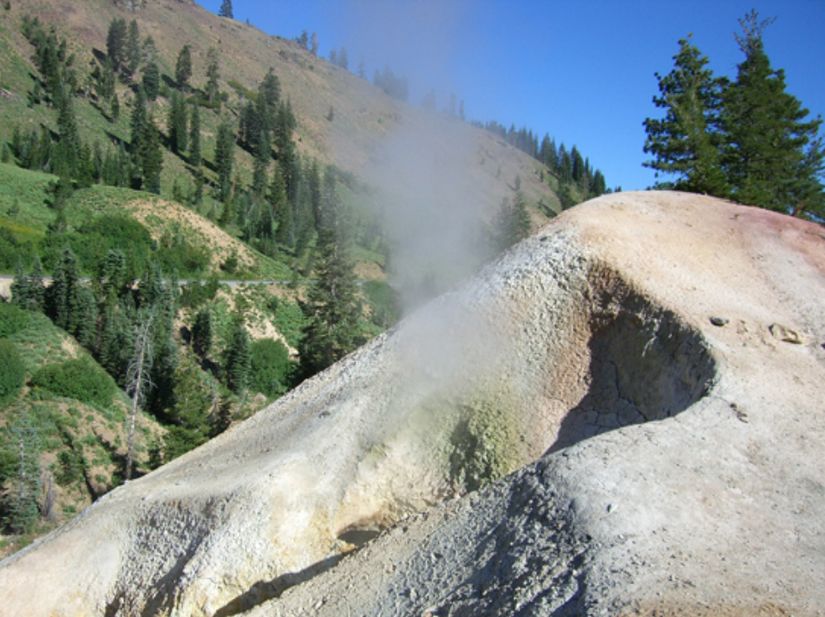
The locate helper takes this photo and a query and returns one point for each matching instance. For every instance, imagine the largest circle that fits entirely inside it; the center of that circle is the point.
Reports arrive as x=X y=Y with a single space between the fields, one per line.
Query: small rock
x=785 y=334
x=719 y=321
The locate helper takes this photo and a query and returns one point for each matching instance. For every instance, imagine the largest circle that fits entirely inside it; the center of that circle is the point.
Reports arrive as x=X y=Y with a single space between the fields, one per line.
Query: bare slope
x=662 y=462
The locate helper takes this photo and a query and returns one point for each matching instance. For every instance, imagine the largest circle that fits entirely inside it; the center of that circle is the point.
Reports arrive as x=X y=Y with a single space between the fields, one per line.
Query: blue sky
x=579 y=70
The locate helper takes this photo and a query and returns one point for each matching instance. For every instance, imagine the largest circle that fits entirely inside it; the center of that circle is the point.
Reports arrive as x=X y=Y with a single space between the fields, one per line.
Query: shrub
x=80 y=379
x=14 y=250
x=270 y=367
x=12 y=371
x=13 y=319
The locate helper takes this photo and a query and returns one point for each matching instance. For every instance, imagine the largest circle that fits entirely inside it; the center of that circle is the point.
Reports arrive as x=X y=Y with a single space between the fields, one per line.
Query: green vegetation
x=270 y=367
x=12 y=371
x=81 y=379
x=747 y=139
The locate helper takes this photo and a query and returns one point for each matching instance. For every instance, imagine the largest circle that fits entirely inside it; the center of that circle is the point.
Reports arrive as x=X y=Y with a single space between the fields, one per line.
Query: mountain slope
x=363 y=115
x=678 y=461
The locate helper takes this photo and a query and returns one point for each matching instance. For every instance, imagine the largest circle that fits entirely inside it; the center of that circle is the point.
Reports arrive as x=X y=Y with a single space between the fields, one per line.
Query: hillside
x=184 y=242
x=656 y=395
x=363 y=115
x=71 y=426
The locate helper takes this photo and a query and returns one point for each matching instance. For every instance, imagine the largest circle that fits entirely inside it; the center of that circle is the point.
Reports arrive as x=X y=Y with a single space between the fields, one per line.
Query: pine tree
x=183 y=67
x=112 y=278
x=132 y=51
x=176 y=124
x=151 y=157
x=686 y=141
x=263 y=155
x=226 y=10
x=237 y=358
x=62 y=294
x=20 y=287
x=195 y=138
x=202 y=333
x=151 y=80
x=116 y=43
x=138 y=121
x=36 y=287
x=512 y=223
x=116 y=342
x=285 y=232
x=332 y=303
x=213 y=75
x=270 y=91
x=20 y=501
x=164 y=305
x=84 y=317
x=67 y=162
x=114 y=108
x=225 y=159
x=772 y=155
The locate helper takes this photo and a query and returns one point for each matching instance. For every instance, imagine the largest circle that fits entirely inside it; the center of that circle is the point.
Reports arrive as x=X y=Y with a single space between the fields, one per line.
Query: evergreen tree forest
x=744 y=138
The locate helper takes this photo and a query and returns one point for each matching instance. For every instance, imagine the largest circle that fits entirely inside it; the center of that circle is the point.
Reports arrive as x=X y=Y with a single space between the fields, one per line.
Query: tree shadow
x=263 y=591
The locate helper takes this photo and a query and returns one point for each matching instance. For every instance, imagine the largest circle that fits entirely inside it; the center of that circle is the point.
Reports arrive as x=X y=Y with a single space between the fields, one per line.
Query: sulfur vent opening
x=645 y=363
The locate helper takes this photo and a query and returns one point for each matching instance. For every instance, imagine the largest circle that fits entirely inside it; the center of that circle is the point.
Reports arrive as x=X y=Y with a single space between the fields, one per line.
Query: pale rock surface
x=662 y=464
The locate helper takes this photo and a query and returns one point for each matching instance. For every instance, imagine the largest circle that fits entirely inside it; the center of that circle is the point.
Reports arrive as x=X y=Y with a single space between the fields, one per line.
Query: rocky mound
x=649 y=366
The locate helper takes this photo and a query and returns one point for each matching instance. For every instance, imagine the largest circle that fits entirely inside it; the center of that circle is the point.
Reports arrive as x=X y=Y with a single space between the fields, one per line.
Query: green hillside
x=63 y=428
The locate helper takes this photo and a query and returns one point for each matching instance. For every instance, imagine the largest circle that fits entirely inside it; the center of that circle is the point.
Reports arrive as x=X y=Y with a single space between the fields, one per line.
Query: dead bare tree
x=138 y=382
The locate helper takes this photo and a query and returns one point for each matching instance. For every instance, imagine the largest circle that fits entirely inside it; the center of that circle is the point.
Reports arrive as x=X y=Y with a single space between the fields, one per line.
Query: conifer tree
x=138 y=121
x=226 y=10
x=20 y=288
x=116 y=43
x=183 y=67
x=62 y=294
x=37 y=288
x=116 y=342
x=686 y=141
x=225 y=159
x=285 y=232
x=270 y=91
x=237 y=358
x=67 y=160
x=20 y=501
x=112 y=278
x=176 y=124
x=263 y=155
x=332 y=303
x=195 y=138
x=165 y=364
x=213 y=75
x=512 y=222
x=202 y=333
x=84 y=317
x=772 y=154
x=132 y=52
x=114 y=107
x=151 y=157
x=151 y=80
